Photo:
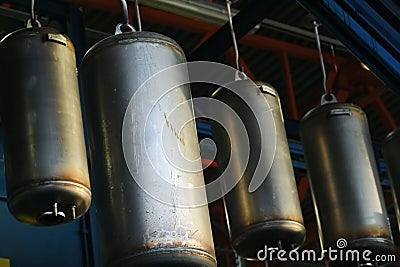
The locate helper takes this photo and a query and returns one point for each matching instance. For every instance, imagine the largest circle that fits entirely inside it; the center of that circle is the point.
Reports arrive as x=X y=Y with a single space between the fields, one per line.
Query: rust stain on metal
x=368 y=231
x=169 y=244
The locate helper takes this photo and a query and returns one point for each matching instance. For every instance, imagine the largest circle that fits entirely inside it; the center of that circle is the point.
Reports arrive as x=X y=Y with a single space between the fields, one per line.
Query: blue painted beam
x=366 y=33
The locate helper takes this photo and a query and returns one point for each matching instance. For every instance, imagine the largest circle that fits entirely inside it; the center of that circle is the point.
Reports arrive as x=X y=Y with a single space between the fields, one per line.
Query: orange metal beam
x=383 y=111
x=369 y=98
x=385 y=115
x=264 y=43
x=303 y=187
x=176 y=21
x=150 y=14
x=131 y=12
x=246 y=69
x=274 y=45
x=354 y=78
x=207 y=162
x=289 y=87
x=331 y=78
x=205 y=38
x=342 y=95
x=194 y=25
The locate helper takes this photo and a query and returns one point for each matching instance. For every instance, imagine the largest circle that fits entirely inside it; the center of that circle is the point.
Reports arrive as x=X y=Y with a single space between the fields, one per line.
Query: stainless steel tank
x=270 y=216
x=138 y=226
x=44 y=150
x=344 y=179
x=391 y=152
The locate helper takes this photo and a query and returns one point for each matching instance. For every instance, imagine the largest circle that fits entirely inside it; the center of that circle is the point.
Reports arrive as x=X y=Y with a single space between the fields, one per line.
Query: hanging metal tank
x=391 y=153
x=137 y=228
x=44 y=147
x=270 y=216
x=344 y=179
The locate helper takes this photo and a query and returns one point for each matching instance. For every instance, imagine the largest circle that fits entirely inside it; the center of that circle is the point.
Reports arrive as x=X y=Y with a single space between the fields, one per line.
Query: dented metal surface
x=271 y=215
x=44 y=149
x=136 y=229
x=344 y=179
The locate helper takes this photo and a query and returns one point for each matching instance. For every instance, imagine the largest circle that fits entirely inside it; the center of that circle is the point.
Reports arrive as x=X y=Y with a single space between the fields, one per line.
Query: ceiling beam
x=193 y=25
x=346 y=27
x=251 y=15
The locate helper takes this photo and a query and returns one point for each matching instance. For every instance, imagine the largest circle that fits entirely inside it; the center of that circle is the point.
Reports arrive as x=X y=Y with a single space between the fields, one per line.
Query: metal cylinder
x=390 y=151
x=44 y=150
x=344 y=179
x=270 y=216
x=137 y=229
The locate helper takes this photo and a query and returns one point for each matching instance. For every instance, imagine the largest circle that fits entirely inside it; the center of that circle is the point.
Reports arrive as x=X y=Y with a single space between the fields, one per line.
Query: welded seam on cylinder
x=53 y=182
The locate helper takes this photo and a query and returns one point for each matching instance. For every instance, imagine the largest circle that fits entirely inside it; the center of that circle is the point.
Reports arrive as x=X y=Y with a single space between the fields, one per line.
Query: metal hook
x=125 y=12
x=33 y=17
x=32 y=21
x=139 y=21
x=240 y=75
x=316 y=25
x=328 y=96
x=121 y=28
x=124 y=26
x=235 y=45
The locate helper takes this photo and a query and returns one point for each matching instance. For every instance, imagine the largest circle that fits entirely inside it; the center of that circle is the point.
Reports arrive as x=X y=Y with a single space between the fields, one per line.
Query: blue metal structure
x=65 y=245
x=368 y=28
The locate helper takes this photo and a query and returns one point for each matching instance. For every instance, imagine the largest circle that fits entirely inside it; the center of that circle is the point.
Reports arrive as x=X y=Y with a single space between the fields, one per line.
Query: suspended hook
x=235 y=46
x=316 y=25
x=240 y=75
x=124 y=26
x=139 y=20
x=33 y=17
x=125 y=13
x=328 y=97
x=32 y=21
